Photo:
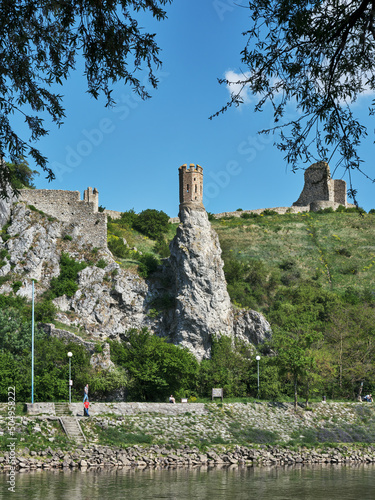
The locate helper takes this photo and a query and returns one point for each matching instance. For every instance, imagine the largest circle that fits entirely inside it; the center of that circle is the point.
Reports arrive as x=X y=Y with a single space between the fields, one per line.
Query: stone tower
x=92 y=196
x=191 y=186
x=320 y=191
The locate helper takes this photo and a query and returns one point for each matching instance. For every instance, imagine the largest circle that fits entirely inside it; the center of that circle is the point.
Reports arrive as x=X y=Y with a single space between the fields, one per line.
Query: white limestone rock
x=251 y=326
x=203 y=305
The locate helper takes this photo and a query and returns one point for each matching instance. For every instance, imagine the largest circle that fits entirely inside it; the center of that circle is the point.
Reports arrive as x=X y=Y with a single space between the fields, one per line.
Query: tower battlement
x=191 y=185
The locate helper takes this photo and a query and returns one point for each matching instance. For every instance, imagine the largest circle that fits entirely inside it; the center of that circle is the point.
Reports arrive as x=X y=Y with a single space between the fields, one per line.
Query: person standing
x=86 y=408
x=86 y=393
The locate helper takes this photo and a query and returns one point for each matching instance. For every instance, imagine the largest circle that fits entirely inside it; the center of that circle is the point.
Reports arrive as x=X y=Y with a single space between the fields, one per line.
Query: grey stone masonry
x=191 y=186
x=320 y=191
x=66 y=206
x=134 y=408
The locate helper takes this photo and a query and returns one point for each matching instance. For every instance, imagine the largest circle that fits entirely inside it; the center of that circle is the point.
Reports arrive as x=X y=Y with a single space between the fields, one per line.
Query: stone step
x=72 y=429
x=62 y=409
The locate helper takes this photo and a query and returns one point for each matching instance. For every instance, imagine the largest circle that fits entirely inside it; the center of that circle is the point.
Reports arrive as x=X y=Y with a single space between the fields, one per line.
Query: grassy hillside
x=333 y=250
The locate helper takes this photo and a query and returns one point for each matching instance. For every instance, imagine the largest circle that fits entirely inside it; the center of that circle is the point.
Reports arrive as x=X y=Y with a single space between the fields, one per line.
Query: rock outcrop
x=203 y=306
x=110 y=300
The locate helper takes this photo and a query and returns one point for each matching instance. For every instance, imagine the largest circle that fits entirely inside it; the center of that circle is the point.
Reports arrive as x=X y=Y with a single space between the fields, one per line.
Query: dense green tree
x=351 y=339
x=153 y=223
x=228 y=368
x=294 y=354
x=39 y=47
x=21 y=175
x=319 y=57
x=155 y=367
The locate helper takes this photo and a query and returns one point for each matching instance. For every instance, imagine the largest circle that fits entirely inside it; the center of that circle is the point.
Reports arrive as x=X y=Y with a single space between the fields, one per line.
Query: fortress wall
x=279 y=210
x=67 y=207
x=339 y=192
x=113 y=214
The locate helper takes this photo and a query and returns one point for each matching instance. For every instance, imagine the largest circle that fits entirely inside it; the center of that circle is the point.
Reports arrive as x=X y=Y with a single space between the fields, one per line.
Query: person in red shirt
x=86 y=405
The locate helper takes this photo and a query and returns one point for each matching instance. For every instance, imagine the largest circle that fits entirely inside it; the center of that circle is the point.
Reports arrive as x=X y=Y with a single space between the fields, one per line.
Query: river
x=233 y=483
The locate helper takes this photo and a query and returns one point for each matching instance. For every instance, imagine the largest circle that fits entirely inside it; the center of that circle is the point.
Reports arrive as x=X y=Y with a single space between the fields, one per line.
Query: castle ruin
x=83 y=215
x=320 y=191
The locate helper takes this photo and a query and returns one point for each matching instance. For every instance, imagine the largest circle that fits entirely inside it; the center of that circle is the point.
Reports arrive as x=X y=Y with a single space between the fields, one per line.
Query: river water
x=233 y=483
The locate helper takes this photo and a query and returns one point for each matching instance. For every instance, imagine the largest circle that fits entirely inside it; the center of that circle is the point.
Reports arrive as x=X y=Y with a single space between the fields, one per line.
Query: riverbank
x=136 y=456
x=165 y=435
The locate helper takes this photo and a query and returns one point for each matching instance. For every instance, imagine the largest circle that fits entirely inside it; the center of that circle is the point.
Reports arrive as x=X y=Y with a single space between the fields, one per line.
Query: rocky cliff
x=185 y=301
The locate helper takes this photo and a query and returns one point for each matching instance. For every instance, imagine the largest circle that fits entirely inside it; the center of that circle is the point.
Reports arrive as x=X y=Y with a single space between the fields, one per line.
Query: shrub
x=148 y=264
x=118 y=248
x=67 y=237
x=269 y=212
x=251 y=215
x=341 y=208
x=102 y=263
x=162 y=248
x=45 y=311
x=66 y=282
x=16 y=286
x=372 y=211
x=328 y=210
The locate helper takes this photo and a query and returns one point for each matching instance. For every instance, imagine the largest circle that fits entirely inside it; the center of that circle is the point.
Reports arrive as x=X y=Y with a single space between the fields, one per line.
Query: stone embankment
x=155 y=456
x=194 y=434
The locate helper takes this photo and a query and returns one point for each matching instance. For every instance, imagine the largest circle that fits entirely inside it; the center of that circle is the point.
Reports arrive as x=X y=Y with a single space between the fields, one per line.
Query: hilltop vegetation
x=312 y=275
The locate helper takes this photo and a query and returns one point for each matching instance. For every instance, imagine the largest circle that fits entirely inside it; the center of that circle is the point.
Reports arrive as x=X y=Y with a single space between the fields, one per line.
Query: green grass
x=112 y=436
x=334 y=250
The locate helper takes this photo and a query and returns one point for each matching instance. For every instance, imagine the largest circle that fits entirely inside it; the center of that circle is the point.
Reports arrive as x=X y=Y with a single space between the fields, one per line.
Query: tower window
x=187 y=188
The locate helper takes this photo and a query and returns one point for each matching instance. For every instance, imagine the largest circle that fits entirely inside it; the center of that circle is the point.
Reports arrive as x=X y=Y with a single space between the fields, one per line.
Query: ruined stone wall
x=279 y=210
x=339 y=192
x=113 y=213
x=66 y=206
x=320 y=191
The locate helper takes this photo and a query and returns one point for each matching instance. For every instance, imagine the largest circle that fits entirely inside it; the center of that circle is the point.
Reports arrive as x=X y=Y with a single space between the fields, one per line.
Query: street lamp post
x=32 y=344
x=258 y=358
x=70 y=354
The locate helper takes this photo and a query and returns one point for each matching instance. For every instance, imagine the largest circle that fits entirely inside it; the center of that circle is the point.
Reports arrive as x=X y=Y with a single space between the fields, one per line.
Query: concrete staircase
x=69 y=423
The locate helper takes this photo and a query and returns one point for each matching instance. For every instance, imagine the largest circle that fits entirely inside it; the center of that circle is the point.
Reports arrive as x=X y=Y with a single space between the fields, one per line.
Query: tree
x=40 y=42
x=318 y=56
x=155 y=367
x=294 y=355
x=153 y=223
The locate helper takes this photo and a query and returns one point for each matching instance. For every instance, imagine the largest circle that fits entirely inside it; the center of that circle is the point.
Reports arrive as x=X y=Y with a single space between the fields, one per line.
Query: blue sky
x=131 y=153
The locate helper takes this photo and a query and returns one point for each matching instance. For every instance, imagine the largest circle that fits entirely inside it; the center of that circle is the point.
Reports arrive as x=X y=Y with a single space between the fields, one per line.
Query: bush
x=16 y=286
x=162 y=248
x=148 y=264
x=118 y=248
x=269 y=212
x=66 y=282
x=251 y=215
x=152 y=223
x=127 y=218
x=101 y=263
x=45 y=311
